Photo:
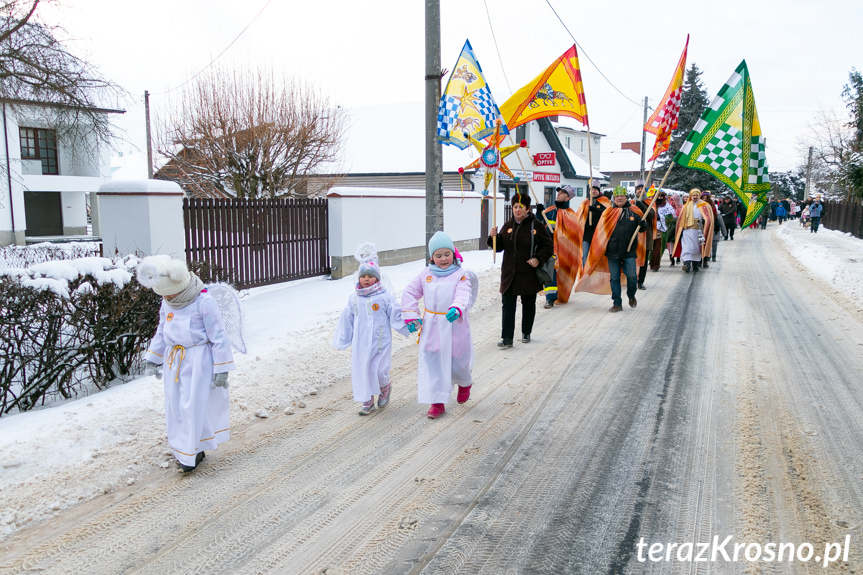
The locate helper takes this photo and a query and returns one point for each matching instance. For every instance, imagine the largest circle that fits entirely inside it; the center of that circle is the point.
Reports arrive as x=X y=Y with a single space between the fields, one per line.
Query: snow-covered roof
x=390 y=139
x=620 y=161
x=360 y=192
x=141 y=187
x=581 y=167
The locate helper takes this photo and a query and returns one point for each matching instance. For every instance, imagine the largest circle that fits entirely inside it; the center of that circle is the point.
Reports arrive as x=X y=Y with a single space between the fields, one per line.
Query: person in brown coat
x=518 y=270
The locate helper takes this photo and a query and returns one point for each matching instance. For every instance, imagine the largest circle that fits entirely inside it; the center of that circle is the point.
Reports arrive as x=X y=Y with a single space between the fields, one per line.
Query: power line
x=588 y=57
x=213 y=61
x=493 y=37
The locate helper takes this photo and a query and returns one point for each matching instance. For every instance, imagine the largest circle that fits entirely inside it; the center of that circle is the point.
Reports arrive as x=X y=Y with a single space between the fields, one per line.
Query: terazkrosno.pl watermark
x=730 y=551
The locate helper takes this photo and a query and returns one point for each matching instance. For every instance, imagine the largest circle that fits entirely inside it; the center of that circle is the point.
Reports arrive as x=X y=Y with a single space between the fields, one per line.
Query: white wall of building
x=79 y=173
x=395 y=219
x=143 y=217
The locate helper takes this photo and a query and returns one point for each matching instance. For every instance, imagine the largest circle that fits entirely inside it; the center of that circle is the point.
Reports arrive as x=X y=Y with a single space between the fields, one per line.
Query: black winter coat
x=513 y=240
x=621 y=237
x=729 y=215
x=594 y=213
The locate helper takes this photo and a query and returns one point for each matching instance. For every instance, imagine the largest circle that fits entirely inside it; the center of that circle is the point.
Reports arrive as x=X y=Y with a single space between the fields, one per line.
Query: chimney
x=634 y=146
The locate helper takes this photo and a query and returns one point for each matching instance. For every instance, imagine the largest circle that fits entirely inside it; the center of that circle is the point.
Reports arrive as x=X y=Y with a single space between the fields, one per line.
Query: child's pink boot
x=436 y=410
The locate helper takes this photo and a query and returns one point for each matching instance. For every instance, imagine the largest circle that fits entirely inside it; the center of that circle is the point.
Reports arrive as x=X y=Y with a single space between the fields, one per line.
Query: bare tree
x=39 y=73
x=837 y=145
x=831 y=140
x=251 y=134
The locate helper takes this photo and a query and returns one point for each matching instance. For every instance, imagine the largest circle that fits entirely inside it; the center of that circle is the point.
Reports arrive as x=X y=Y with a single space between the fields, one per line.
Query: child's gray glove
x=151 y=368
x=220 y=380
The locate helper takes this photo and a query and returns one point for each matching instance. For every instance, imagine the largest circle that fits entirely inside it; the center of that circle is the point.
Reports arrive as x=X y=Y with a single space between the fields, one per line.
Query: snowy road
x=729 y=403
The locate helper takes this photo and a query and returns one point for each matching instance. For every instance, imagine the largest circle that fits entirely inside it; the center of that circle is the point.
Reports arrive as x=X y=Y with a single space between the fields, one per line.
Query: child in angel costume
x=446 y=352
x=192 y=341
x=366 y=325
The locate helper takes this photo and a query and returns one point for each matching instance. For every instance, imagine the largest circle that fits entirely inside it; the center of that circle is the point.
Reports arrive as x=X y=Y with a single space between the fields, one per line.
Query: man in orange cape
x=573 y=233
x=693 y=238
x=612 y=253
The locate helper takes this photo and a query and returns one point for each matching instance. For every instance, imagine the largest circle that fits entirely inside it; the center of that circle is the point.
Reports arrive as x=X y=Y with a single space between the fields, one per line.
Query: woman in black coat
x=518 y=270
x=728 y=209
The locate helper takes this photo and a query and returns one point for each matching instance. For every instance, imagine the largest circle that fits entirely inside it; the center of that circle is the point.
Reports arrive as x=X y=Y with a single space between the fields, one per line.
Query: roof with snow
x=581 y=167
x=620 y=161
x=390 y=138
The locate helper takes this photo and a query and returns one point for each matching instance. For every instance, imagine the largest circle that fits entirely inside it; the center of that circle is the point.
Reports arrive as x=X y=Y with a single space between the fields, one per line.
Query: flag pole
x=649 y=173
x=494 y=219
x=589 y=160
x=590 y=180
x=653 y=201
x=524 y=173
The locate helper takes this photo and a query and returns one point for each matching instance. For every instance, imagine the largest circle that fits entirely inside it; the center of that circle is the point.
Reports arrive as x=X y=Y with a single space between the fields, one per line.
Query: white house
x=623 y=167
x=46 y=181
x=557 y=155
x=385 y=148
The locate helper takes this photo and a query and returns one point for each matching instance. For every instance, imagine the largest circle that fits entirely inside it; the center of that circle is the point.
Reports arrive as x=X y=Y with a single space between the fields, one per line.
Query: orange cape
x=707 y=214
x=595 y=277
x=568 y=239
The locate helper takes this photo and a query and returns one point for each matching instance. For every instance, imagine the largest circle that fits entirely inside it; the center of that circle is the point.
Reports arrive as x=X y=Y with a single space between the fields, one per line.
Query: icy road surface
x=728 y=403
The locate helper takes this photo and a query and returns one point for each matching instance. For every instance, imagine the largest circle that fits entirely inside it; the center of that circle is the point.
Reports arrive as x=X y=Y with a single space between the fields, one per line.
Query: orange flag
x=555 y=92
x=664 y=118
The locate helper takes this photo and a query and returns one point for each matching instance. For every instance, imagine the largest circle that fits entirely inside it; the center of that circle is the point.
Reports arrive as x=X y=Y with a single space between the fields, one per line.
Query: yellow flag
x=555 y=92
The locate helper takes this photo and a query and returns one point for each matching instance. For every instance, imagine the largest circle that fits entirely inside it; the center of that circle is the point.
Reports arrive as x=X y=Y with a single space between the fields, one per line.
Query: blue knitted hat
x=440 y=240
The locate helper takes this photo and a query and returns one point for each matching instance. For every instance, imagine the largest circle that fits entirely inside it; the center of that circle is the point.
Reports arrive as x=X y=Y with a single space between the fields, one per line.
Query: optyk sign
x=544 y=159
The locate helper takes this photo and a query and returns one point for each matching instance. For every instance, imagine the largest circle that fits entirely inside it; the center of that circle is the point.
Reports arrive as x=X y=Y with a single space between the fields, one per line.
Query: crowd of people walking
x=608 y=242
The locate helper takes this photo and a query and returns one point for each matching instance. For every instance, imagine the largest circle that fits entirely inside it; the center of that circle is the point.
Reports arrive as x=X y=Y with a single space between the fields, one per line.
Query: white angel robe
x=446 y=352
x=192 y=345
x=366 y=324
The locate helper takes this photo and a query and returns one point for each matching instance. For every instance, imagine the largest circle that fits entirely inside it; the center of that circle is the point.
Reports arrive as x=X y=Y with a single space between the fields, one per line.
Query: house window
x=38 y=144
x=582 y=145
x=579 y=192
x=569 y=142
x=521 y=133
x=628 y=184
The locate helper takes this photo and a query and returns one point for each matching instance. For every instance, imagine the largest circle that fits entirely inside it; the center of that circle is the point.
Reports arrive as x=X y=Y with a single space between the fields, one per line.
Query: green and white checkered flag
x=727 y=143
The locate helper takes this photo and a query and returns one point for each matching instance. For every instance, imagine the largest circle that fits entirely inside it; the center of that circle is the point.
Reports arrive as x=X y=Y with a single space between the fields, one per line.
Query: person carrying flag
x=558 y=210
x=612 y=252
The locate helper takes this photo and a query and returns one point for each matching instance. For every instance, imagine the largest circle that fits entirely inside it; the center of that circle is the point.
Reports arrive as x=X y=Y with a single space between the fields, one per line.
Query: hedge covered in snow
x=72 y=326
x=68 y=326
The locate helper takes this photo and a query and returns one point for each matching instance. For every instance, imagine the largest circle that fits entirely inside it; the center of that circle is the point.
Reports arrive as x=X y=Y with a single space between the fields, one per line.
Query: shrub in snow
x=57 y=344
x=73 y=325
x=25 y=256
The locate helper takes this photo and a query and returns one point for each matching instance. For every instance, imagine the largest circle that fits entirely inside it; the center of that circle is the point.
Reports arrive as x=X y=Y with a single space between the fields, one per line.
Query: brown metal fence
x=844 y=217
x=259 y=242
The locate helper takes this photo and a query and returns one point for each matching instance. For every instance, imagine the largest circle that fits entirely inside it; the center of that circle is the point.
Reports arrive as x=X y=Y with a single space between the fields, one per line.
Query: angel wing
x=232 y=314
x=474 y=287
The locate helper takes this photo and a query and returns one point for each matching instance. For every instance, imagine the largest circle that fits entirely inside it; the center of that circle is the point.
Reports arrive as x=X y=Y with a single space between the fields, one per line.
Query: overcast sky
x=799 y=52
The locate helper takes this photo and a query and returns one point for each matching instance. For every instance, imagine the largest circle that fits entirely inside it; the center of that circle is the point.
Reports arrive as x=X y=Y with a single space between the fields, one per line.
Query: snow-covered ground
x=833 y=257
x=57 y=457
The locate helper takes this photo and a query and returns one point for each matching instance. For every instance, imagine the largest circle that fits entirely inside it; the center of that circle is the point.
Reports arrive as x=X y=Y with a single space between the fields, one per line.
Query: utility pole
x=643 y=139
x=434 y=163
x=808 y=176
x=149 y=141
